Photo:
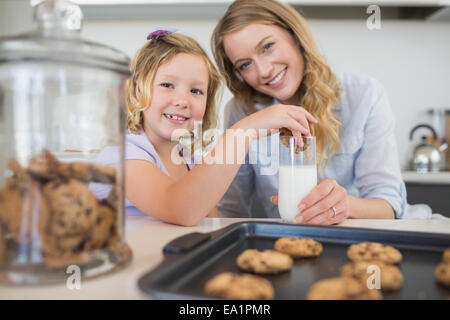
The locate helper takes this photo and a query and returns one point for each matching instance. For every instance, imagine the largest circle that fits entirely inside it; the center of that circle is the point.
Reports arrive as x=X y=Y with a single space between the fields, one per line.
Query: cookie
x=299 y=247
x=65 y=259
x=22 y=207
x=239 y=286
x=442 y=274
x=113 y=198
x=2 y=246
x=446 y=255
x=342 y=289
x=370 y=251
x=285 y=138
x=265 y=262
x=44 y=166
x=87 y=172
x=391 y=278
x=104 y=228
x=73 y=213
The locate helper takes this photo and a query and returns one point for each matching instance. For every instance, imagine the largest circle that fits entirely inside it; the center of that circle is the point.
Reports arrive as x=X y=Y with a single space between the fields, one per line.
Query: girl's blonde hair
x=146 y=63
x=319 y=90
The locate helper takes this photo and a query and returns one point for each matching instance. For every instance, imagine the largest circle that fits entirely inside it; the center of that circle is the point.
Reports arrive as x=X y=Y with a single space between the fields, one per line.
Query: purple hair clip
x=160 y=33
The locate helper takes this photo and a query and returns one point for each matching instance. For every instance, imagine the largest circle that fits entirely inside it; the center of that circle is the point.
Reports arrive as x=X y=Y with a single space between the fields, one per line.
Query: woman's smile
x=278 y=79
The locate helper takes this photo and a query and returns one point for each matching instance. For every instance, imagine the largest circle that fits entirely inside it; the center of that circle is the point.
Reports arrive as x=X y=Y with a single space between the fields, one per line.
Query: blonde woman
x=268 y=57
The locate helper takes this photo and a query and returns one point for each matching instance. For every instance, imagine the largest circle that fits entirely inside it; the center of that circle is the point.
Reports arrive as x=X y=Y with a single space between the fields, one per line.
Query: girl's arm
x=190 y=199
x=214 y=213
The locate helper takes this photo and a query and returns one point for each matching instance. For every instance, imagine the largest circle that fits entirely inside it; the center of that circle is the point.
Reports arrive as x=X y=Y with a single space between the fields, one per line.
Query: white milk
x=294 y=183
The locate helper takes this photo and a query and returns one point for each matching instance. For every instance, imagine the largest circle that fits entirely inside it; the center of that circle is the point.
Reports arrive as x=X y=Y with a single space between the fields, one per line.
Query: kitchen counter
x=442 y=177
x=147 y=237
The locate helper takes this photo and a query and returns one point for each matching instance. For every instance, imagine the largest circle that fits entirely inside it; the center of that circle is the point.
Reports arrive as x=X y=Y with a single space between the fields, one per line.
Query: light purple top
x=137 y=147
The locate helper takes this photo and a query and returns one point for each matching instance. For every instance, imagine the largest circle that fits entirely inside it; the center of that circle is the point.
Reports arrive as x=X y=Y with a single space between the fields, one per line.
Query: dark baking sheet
x=183 y=275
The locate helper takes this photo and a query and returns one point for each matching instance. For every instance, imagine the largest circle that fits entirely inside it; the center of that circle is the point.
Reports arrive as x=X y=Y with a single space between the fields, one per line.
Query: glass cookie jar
x=62 y=104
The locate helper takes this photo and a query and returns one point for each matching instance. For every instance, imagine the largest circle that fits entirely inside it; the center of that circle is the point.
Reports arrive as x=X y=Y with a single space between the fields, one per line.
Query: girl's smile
x=176 y=119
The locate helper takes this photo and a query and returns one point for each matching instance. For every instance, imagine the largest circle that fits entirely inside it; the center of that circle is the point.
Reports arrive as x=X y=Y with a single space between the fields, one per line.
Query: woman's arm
x=360 y=208
x=376 y=169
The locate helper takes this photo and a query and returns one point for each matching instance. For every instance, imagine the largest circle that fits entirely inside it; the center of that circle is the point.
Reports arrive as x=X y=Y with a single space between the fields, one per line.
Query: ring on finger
x=334 y=212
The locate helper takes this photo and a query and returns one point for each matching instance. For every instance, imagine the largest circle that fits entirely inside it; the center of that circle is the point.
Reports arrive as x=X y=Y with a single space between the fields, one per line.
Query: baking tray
x=191 y=260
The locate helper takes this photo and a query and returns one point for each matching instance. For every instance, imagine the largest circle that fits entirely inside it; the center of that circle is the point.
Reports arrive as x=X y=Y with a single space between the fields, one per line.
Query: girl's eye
x=268 y=45
x=197 y=91
x=244 y=66
x=166 y=85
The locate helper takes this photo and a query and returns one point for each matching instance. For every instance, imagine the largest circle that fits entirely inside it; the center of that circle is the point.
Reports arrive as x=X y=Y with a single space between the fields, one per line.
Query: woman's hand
x=278 y=116
x=326 y=204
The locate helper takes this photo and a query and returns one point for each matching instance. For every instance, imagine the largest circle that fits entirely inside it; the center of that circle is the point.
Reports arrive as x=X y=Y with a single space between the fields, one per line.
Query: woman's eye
x=268 y=45
x=244 y=66
x=197 y=91
x=166 y=85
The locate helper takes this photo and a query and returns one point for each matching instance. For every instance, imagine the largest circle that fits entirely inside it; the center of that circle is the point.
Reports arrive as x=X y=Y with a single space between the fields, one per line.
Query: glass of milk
x=297 y=174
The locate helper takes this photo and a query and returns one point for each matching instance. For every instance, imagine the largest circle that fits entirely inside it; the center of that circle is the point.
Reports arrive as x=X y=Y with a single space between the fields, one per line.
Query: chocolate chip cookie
x=342 y=289
x=446 y=255
x=299 y=247
x=45 y=166
x=239 y=286
x=370 y=251
x=22 y=208
x=391 y=278
x=104 y=228
x=2 y=246
x=74 y=210
x=265 y=262
x=87 y=172
x=442 y=274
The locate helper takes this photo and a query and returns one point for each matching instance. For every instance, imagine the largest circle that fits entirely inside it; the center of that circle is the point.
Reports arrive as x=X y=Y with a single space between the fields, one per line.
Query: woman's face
x=268 y=58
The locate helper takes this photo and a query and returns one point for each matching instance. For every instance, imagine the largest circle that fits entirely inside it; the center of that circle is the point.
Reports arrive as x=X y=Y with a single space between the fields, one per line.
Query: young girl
x=268 y=57
x=172 y=86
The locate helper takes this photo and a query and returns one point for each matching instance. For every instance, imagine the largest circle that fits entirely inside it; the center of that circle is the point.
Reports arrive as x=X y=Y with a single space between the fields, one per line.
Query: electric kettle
x=426 y=157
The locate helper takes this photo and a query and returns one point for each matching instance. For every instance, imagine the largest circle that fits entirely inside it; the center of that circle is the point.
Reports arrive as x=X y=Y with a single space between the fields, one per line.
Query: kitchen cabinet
x=432 y=189
x=213 y=9
x=437 y=196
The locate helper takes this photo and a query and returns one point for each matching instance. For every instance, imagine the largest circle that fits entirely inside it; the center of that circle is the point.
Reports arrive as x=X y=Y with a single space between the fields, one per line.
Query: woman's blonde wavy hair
x=319 y=90
x=146 y=63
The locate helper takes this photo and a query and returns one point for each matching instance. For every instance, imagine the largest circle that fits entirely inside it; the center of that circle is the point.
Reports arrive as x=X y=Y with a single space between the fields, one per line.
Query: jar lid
x=57 y=39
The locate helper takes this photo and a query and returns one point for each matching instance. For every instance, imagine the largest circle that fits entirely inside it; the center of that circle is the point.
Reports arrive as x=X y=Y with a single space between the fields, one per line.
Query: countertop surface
x=442 y=177
x=147 y=237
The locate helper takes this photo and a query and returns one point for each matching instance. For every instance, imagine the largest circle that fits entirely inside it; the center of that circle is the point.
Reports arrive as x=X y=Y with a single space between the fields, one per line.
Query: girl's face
x=268 y=59
x=179 y=93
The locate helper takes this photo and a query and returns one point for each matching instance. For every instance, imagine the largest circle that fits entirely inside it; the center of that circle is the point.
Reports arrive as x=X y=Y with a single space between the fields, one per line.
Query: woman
x=267 y=55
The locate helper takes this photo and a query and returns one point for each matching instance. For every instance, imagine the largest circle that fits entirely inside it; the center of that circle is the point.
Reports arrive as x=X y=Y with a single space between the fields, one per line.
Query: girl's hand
x=278 y=116
x=317 y=206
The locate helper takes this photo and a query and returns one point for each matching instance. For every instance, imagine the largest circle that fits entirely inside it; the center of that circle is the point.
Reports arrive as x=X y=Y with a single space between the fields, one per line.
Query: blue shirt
x=366 y=164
